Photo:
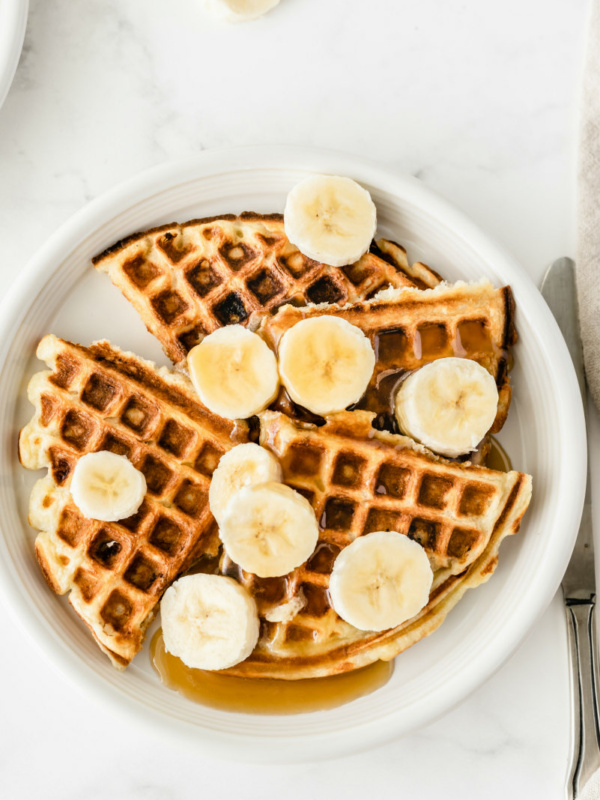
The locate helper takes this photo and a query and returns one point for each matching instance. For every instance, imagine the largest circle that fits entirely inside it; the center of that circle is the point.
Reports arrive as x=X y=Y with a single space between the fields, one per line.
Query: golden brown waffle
x=100 y=398
x=187 y=280
x=422 y=276
x=408 y=328
x=360 y=480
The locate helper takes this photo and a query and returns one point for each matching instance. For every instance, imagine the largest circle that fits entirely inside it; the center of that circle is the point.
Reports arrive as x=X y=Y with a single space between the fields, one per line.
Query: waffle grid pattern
x=118 y=571
x=409 y=329
x=188 y=280
x=357 y=485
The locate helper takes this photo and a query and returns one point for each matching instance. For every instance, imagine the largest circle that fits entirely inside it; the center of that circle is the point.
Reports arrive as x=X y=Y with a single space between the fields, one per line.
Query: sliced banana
x=209 y=621
x=234 y=372
x=239 y=10
x=325 y=363
x=448 y=405
x=380 y=580
x=244 y=465
x=107 y=486
x=269 y=529
x=330 y=219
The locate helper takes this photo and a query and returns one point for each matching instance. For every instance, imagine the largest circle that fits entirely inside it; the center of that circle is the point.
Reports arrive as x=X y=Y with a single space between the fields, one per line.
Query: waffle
x=409 y=328
x=187 y=280
x=100 y=398
x=360 y=480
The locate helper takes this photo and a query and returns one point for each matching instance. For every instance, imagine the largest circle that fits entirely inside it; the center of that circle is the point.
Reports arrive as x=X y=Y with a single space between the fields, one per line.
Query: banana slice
x=209 y=621
x=325 y=363
x=448 y=405
x=380 y=580
x=244 y=465
x=330 y=219
x=239 y=10
x=107 y=487
x=269 y=529
x=234 y=372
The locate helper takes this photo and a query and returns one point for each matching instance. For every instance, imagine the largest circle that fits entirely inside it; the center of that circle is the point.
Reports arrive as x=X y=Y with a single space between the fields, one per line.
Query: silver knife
x=579 y=582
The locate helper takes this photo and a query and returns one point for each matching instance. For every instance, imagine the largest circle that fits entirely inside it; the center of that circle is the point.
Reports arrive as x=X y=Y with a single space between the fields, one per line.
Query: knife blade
x=559 y=291
x=579 y=583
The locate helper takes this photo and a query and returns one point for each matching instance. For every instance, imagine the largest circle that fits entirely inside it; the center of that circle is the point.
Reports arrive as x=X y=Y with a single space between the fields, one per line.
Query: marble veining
x=479 y=102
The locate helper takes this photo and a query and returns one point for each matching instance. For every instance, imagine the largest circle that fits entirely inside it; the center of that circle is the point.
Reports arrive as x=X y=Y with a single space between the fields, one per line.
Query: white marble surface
x=479 y=101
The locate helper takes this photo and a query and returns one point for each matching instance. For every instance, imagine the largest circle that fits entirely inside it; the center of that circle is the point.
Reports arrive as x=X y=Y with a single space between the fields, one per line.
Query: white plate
x=545 y=436
x=13 y=20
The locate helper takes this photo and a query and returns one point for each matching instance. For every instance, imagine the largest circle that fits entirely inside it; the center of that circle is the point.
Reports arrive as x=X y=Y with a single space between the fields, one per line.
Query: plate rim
x=232 y=160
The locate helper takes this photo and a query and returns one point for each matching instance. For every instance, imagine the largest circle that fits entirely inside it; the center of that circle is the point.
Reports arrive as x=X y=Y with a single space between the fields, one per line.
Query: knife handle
x=582 y=652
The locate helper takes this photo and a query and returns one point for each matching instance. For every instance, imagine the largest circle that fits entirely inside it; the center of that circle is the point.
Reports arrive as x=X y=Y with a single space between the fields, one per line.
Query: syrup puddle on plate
x=265 y=695
x=498 y=458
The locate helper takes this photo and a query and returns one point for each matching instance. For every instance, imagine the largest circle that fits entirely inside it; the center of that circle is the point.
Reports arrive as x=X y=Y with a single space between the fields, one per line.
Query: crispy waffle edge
x=365 y=649
x=392 y=643
x=182 y=301
x=50 y=498
x=247 y=216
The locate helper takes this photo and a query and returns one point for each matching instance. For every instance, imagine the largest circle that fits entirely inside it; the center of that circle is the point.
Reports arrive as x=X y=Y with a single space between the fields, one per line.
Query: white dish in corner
x=13 y=21
x=545 y=435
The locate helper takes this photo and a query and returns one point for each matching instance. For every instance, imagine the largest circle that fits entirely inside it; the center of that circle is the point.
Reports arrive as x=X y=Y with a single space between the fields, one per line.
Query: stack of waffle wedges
x=355 y=468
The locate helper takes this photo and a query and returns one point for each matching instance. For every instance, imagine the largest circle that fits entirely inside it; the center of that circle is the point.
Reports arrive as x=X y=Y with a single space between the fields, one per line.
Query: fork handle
x=586 y=731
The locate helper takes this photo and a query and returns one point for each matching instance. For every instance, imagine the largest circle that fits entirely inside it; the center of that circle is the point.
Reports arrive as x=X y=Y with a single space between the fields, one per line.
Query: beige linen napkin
x=588 y=245
x=588 y=248
x=591 y=791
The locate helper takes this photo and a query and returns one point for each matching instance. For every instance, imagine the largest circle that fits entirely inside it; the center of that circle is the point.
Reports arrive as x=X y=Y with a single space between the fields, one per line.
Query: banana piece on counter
x=239 y=10
x=330 y=219
x=209 y=621
x=107 y=486
x=380 y=580
x=234 y=372
x=448 y=405
x=244 y=465
x=269 y=529
x=325 y=363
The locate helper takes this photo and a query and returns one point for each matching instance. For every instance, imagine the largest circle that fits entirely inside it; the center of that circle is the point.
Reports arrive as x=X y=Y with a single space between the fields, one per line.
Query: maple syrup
x=284 y=404
x=497 y=457
x=265 y=695
x=430 y=342
x=380 y=397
